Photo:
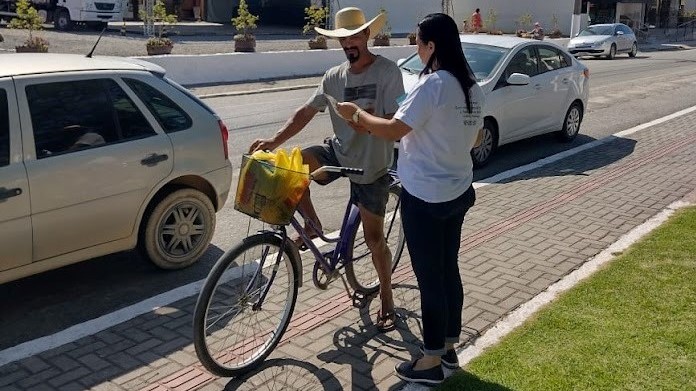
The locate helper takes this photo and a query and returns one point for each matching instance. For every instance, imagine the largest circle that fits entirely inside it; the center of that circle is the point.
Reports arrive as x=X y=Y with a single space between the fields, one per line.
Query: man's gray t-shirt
x=375 y=90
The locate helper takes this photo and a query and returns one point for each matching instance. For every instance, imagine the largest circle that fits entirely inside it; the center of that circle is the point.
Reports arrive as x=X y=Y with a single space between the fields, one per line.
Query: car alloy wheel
x=179 y=229
x=571 y=123
x=481 y=155
x=634 y=50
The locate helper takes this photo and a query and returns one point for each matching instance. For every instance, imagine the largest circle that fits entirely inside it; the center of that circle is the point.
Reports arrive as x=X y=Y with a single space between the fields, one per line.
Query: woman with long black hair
x=438 y=124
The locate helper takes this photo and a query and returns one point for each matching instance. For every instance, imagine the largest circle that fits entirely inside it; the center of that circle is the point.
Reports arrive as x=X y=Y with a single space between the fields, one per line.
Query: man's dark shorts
x=373 y=196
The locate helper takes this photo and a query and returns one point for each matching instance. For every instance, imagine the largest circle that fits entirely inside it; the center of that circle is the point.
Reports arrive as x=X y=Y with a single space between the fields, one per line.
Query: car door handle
x=5 y=194
x=565 y=81
x=154 y=159
x=537 y=86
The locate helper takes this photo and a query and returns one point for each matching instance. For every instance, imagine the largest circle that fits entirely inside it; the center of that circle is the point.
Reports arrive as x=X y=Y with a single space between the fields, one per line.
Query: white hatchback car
x=98 y=155
x=532 y=87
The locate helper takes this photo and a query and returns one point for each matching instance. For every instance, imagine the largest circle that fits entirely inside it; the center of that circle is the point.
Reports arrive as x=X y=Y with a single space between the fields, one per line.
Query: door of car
x=96 y=158
x=621 y=38
x=517 y=107
x=555 y=81
x=628 y=37
x=15 y=216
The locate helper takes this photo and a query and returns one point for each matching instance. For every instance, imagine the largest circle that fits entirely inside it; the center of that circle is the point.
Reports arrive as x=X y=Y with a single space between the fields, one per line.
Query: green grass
x=631 y=326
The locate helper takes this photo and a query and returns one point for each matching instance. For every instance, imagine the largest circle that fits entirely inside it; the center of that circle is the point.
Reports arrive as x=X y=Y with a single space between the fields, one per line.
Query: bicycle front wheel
x=245 y=305
x=360 y=271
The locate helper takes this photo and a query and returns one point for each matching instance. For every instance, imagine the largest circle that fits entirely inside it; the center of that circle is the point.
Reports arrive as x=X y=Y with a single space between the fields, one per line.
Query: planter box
x=381 y=41
x=313 y=44
x=245 y=44
x=28 y=49
x=159 y=50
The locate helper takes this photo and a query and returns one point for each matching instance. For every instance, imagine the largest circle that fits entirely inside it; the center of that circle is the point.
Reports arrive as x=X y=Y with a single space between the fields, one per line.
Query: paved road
x=624 y=93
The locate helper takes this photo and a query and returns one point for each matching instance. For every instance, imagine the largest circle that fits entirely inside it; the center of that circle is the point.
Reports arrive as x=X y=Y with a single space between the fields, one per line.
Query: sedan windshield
x=597 y=30
x=482 y=60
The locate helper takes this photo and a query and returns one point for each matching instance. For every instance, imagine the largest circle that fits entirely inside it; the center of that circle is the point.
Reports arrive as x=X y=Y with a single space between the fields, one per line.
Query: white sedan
x=532 y=87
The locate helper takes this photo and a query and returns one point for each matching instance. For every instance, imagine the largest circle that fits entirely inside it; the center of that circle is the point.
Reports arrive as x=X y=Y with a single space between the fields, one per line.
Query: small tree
x=491 y=20
x=382 y=37
x=159 y=14
x=556 y=31
x=28 y=18
x=245 y=21
x=316 y=17
x=524 y=21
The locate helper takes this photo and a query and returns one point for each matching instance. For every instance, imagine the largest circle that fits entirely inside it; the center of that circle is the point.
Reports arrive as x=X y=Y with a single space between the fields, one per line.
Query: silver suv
x=100 y=155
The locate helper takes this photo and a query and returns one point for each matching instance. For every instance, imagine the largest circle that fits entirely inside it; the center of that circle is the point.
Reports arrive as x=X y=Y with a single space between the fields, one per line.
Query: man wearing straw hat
x=374 y=83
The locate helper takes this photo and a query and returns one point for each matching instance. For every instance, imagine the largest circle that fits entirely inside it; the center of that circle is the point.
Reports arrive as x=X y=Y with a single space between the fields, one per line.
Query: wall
x=403 y=14
x=191 y=70
x=510 y=10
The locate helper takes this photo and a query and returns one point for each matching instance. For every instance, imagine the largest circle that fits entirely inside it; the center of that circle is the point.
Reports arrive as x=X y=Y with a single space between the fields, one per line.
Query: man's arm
x=292 y=126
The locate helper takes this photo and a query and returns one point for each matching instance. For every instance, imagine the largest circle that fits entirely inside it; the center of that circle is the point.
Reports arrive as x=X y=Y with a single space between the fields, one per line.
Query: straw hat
x=350 y=21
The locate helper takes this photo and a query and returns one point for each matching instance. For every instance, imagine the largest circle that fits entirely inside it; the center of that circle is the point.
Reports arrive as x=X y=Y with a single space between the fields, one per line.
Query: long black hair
x=442 y=30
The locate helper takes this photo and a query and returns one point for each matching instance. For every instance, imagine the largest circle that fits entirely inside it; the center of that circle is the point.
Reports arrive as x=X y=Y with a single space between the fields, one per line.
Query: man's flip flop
x=386 y=322
x=300 y=243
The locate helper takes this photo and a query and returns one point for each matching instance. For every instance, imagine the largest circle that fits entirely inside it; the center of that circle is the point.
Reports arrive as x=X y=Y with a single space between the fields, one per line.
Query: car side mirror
x=400 y=61
x=619 y=33
x=518 y=79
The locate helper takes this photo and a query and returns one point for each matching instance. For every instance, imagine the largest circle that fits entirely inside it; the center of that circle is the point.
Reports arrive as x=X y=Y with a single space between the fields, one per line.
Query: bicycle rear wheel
x=360 y=271
x=245 y=305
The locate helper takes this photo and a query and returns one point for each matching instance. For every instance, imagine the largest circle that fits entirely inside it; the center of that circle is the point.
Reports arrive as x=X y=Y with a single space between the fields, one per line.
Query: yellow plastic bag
x=271 y=185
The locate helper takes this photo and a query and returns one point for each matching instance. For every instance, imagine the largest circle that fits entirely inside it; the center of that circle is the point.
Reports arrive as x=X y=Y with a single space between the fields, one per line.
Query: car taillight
x=586 y=73
x=225 y=136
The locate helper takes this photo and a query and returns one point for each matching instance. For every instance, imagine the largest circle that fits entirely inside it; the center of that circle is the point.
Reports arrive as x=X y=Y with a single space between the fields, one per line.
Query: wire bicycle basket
x=267 y=192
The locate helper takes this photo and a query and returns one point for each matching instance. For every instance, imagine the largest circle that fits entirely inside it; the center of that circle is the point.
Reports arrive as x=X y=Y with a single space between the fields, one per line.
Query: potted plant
x=28 y=18
x=556 y=31
x=491 y=19
x=158 y=44
x=524 y=21
x=245 y=22
x=382 y=38
x=315 y=17
x=411 y=38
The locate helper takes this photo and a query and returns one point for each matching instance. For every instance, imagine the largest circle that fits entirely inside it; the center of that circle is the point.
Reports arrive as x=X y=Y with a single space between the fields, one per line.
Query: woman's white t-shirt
x=434 y=161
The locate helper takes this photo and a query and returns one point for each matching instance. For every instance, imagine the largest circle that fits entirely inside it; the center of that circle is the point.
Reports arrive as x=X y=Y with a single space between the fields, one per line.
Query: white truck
x=64 y=14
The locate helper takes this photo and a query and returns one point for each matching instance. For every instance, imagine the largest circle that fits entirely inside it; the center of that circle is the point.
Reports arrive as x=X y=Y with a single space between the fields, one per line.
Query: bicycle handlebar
x=342 y=170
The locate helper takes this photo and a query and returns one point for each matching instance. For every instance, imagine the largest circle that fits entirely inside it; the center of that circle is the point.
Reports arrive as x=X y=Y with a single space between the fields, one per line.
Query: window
x=4 y=129
x=169 y=115
x=552 y=59
x=525 y=62
x=81 y=114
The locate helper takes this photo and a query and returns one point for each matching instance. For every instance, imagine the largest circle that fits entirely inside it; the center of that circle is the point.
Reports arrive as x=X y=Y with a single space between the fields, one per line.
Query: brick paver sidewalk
x=524 y=234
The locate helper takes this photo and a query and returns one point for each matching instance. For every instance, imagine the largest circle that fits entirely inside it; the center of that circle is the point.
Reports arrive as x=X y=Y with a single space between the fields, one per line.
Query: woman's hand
x=347 y=109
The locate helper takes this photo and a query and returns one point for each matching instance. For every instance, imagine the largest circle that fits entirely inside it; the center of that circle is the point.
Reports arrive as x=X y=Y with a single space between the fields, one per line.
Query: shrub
x=245 y=21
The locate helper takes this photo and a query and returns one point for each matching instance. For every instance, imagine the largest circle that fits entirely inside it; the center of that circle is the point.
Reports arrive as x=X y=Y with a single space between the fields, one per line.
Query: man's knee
x=373 y=230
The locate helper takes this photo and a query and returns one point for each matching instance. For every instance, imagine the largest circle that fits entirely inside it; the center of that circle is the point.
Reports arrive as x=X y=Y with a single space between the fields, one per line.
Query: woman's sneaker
x=449 y=359
x=431 y=376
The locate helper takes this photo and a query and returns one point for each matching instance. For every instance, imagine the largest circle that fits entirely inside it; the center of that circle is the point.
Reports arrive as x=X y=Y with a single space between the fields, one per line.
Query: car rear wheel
x=571 y=123
x=179 y=229
x=612 y=52
x=634 y=50
x=481 y=155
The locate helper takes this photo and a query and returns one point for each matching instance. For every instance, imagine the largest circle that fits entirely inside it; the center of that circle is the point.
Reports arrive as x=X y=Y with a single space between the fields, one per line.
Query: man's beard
x=352 y=57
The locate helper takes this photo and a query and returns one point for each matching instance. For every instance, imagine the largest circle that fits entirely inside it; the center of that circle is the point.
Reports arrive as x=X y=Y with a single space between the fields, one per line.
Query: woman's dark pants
x=433 y=235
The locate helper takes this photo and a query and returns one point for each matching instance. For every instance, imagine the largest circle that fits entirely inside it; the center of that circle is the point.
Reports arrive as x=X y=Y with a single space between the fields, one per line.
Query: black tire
x=62 y=21
x=612 y=52
x=179 y=229
x=225 y=290
x=361 y=273
x=571 y=123
x=634 y=50
x=482 y=154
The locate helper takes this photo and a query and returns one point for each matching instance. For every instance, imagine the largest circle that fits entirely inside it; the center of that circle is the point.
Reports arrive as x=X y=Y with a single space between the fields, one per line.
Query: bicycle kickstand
x=359 y=299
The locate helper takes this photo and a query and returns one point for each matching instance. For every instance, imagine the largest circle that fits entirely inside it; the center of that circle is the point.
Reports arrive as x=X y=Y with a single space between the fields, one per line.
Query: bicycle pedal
x=359 y=300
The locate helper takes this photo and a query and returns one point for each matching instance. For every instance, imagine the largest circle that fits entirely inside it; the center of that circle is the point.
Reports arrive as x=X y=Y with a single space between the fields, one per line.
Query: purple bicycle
x=248 y=298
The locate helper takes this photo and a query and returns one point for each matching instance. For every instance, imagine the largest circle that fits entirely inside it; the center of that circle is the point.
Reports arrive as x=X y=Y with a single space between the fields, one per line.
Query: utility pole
x=448 y=7
x=576 y=20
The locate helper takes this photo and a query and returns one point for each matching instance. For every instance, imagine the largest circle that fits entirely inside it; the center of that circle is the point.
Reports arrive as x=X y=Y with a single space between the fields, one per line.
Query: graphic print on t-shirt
x=363 y=96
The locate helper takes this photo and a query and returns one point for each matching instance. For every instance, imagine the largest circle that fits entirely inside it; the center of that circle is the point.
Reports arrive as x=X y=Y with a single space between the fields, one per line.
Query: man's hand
x=265 y=144
x=347 y=109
